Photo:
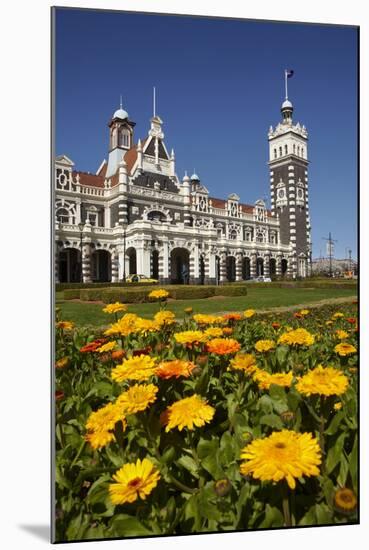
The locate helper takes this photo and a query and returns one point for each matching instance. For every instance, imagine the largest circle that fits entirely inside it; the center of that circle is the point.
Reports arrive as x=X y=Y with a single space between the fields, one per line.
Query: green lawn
x=257 y=298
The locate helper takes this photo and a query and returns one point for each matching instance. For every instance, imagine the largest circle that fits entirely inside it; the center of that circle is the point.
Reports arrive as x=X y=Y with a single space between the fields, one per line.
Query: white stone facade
x=138 y=217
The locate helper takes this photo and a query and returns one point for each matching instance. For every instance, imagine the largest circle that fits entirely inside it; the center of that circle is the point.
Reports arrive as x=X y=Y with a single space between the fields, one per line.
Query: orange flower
x=232 y=317
x=297 y=315
x=59 y=395
x=118 y=355
x=223 y=346
x=174 y=369
x=276 y=326
x=92 y=346
x=351 y=320
x=227 y=331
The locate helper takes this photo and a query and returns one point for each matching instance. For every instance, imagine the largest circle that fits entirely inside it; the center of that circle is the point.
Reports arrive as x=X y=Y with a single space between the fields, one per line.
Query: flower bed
x=216 y=423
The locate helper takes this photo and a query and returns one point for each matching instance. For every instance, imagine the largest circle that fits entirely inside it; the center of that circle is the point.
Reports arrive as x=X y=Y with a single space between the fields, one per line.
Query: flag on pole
x=289 y=73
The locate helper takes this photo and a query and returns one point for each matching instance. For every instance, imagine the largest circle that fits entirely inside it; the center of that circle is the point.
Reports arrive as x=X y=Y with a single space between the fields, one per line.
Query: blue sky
x=220 y=86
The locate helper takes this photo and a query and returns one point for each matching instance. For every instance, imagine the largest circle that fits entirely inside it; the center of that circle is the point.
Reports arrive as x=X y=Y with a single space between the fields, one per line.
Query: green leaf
x=272 y=420
x=273 y=517
x=124 y=525
x=344 y=469
x=336 y=421
x=279 y=398
x=353 y=465
x=207 y=447
x=212 y=465
x=335 y=453
x=323 y=514
x=189 y=464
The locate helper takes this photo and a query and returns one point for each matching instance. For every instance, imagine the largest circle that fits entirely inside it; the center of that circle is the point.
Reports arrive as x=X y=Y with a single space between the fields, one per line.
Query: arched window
x=219 y=232
x=294 y=149
x=124 y=138
x=233 y=234
x=286 y=150
x=114 y=138
x=302 y=151
x=62 y=215
x=275 y=153
x=298 y=150
x=280 y=151
x=259 y=237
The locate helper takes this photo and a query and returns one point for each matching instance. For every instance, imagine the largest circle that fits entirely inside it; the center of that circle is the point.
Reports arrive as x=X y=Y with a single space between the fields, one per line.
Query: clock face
x=281 y=193
x=300 y=193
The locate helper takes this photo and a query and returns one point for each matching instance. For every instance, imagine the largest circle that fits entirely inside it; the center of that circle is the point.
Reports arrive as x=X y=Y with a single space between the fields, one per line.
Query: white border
x=24 y=130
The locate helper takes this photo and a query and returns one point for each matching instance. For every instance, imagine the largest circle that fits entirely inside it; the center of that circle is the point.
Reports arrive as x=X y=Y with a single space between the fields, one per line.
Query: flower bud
x=222 y=487
x=288 y=417
x=202 y=360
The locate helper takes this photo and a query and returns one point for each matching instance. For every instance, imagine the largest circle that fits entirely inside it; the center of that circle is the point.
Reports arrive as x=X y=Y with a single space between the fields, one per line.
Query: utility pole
x=330 y=246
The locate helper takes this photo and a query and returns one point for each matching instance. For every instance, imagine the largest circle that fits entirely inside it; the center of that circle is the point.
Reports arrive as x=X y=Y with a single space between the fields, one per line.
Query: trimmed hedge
x=139 y=295
x=67 y=286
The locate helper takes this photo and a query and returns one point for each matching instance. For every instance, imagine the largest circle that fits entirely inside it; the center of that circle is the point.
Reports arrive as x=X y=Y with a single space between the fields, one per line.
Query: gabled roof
x=92 y=180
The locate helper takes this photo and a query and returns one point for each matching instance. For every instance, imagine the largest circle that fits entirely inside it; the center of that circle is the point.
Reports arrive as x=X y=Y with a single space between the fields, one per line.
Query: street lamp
x=80 y=227
x=124 y=227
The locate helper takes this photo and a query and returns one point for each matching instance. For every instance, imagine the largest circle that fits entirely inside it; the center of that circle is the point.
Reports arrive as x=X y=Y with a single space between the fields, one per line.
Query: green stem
x=286 y=507
x=83 y=444
x=181 y=485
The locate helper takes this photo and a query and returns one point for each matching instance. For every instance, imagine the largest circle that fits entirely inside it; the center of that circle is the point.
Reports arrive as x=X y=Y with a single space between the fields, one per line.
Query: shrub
x=231 y=290
x=71 y=294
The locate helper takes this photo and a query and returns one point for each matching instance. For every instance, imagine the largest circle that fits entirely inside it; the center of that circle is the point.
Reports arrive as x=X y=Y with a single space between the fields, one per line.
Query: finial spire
x=121 y=102
x=154 y=101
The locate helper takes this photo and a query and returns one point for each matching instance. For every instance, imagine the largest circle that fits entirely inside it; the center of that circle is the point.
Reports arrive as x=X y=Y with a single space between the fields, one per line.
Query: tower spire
x=121 y=102
x=154 y=101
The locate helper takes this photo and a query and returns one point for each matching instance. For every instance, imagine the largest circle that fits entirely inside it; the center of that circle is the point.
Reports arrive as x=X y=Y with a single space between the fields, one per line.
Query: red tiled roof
x=247 y=208
x=103 y=170
x=85 y=178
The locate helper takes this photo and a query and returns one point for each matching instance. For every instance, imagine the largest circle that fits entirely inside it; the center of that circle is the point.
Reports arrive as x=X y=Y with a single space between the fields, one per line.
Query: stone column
x=114 y=267
x=56 y=263
x=267 y=265
x=194 y=265
x=239 y=259
x=253 y=265
x=210 y=268
x=164 y=271
x=223 y=268
x=278 y=266
x=86 y=262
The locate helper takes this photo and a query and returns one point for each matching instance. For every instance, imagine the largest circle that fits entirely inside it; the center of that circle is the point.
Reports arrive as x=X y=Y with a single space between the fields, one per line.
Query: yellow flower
x=188 y=310
x=323 y=381
x=187 y=413
x=164 y=318
x=101 y=423
x=223 y=346
x=65 y=325
x=140 y=367
x=190 y=337
x=124 y=326
x=109 y=346
x=62 y=363
x=202 y=319
x=159 y=294
x=328 y=323
x=345 y=500
x=298 y=337
x=213 y=332
x=264 y=345
x=249 y=313
x=104 y=418
x=146 y=325
x=341 y=334
x=264 y=379
x=283 y=455
x=114 y=308
x=133 y=481
x=344 y=349
x=337 y=406
x=245 y=362
x=337 y=315
x=304 y=312
x=137 y=398
x=97 y=440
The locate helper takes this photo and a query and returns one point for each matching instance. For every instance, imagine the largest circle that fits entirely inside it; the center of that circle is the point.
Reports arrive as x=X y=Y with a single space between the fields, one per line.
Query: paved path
x=312 y=305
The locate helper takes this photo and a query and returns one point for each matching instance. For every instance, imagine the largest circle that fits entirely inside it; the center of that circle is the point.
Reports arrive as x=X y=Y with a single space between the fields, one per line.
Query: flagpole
x=285 y=82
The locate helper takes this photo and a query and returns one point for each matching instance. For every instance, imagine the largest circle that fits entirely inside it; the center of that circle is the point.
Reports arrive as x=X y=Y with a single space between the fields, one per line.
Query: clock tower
x=288 y=165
